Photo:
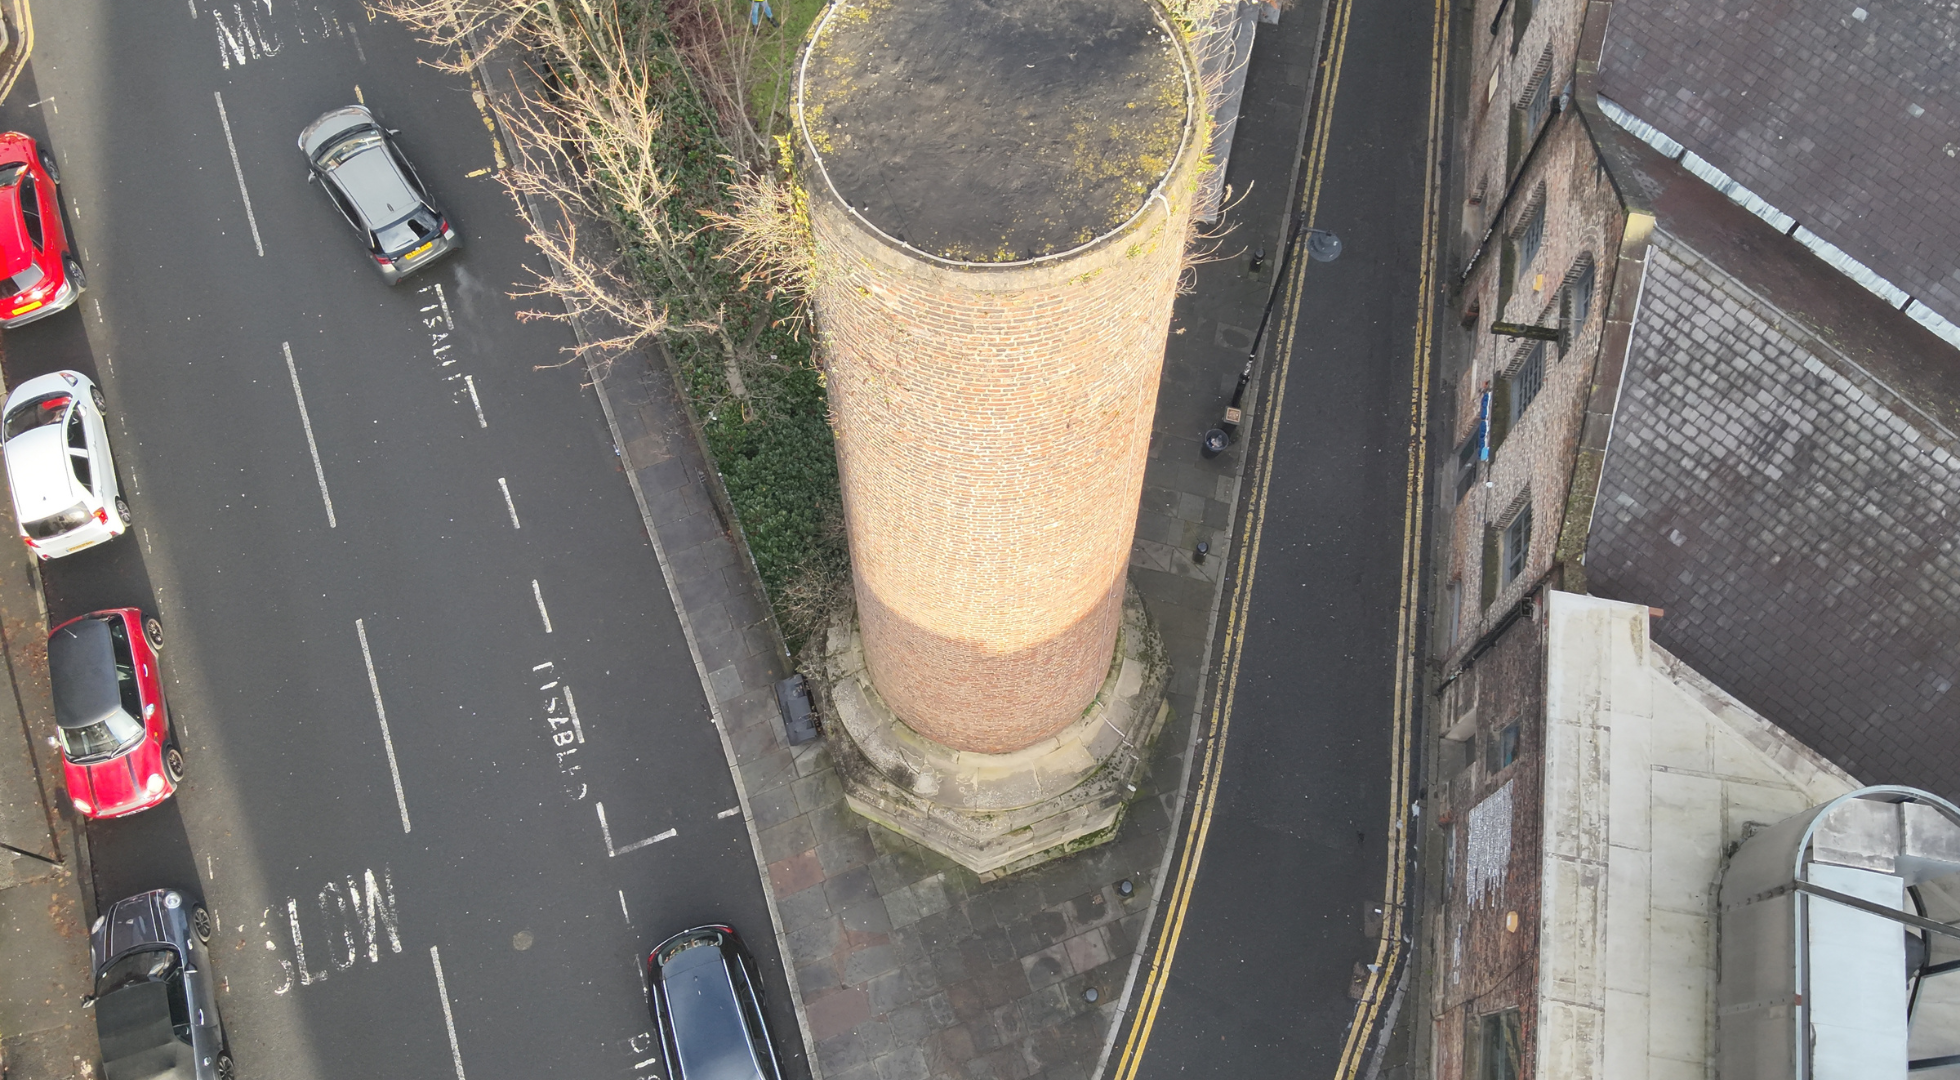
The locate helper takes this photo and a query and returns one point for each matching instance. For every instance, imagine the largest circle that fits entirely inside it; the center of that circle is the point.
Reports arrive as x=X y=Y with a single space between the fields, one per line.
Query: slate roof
x=1844 y=114
x=1797 y=518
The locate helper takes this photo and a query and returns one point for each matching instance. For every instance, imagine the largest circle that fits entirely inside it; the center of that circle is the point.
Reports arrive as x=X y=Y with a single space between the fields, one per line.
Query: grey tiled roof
x=1845 y=114
x=1798 y=524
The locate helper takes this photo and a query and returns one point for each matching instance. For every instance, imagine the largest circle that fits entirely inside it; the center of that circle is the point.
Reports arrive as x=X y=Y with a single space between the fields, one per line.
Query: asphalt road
x=1295 y=857
x=348 y=900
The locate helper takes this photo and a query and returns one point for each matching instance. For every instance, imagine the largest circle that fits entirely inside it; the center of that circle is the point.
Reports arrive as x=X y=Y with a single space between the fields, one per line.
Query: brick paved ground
x=1799 y=523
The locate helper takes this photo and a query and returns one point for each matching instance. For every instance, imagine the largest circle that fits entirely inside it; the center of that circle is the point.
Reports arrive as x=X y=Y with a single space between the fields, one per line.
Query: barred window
x=1532 y=236
x=1578 y=300
x=1517 y=545
x=1527 y=380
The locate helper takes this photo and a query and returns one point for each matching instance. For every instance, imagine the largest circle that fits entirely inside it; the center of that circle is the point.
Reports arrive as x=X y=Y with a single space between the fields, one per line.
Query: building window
x=1467 y=455
x=1502 y=749
x=1517 y=545
x=1538 y=104
x=1521 y=11
x=1526 y=381
x=1495 y=1046
x=1532 y=236
x=1578 y=299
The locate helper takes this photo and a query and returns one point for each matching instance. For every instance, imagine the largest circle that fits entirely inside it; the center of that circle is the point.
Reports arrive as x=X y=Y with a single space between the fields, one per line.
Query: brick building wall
x=992 y=424
x=1539 y=230
x=1492 y=824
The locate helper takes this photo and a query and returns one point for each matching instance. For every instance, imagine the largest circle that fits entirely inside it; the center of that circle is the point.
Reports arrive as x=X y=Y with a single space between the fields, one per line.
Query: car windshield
x=101 y=739
x=339 y=153
x=55 y=524
x=149 y=965
x=29 y=277
x=403 y=234
x=40 y=412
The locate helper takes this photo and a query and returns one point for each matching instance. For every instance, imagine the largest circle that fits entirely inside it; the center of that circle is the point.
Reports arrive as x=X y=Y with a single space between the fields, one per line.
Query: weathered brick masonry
x=992 y=417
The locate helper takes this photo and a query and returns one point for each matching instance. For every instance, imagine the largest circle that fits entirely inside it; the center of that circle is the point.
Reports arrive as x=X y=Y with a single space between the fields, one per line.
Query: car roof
x=37 y=466
x=378 y=189
x=710 y=1036
x=82 y=667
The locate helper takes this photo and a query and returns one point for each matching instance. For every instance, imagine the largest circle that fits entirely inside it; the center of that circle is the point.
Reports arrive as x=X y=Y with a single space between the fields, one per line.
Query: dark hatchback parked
x=707 y=1002
x=155 y=999
x=375 y=188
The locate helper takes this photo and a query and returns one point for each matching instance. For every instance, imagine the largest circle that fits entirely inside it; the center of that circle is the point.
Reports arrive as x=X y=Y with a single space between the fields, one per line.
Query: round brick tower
x=1000 y=192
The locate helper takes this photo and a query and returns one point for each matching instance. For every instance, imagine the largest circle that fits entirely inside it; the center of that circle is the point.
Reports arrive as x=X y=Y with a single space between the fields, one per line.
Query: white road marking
x=728 y=813
x=542 y=666
x=605 y=830
x=638 y=844
x=470 y=381
x=572 y=707
x=644 y=1064
x=98 y=309
x=250 y=218
x=306 y=421
x=542 y=613
x=106 y=359
x=146 y=542
x=448 y=1018
x=208 y=870
x=508 y=504
x=358 y=51
x=443 y=300
x=193 y=4
x=622 y=908
x=387 y=740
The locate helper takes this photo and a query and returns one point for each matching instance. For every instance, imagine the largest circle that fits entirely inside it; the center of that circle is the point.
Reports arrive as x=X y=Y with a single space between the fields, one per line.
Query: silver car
x=375 y=188
x=155 y=999
x=56 y=444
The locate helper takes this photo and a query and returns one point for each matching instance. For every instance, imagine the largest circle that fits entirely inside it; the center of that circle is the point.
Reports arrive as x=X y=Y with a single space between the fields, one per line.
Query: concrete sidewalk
x=906 y=965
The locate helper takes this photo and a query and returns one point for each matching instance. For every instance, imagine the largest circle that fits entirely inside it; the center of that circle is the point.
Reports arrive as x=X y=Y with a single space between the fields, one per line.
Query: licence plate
x=24 y=309
x=419 y=252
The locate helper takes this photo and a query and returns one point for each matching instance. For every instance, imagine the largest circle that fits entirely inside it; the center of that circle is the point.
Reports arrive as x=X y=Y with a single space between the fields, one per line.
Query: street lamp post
x=1322 y=246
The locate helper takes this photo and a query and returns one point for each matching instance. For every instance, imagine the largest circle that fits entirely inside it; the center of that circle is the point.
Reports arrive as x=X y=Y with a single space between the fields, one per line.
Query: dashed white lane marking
x=193 y=4
x=470 y=382
x=358 y=51
x=98 y=311
x=571 y=706
x=638 y=844
x=146 y=543
x=387 y=740
x=209 y=871
x=448 y=1017
x=643 y=1064
x=504 y=486
x=250 y=218
x=728 y=813
x=542 y=613
x=443 y=300
x=605 y=830
x=622 y=908
x=306 y=421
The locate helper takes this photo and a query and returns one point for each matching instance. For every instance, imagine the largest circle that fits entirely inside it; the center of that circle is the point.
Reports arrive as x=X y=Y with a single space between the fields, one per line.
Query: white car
x=64 y=481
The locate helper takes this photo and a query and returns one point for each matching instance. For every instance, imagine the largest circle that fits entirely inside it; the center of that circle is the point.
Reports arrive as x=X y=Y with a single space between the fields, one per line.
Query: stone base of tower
x=998 y=813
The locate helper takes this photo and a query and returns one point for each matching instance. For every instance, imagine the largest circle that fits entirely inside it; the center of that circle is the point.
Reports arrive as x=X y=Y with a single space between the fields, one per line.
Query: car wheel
x=223 y=1067
x=153 y=633
x=101 y=403
x=173 y=764
x=122 y=511
x=73 y=267
x=47 y=165
x=201 y=923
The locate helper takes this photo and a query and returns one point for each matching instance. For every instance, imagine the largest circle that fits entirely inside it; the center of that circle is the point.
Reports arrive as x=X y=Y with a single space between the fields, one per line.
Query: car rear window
x=29 y=277
x=40 y=412
x=404 y=234
x=55 y=524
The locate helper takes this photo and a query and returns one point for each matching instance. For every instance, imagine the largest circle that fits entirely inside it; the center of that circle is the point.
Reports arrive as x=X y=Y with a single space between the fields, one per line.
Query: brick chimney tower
x=999 y=193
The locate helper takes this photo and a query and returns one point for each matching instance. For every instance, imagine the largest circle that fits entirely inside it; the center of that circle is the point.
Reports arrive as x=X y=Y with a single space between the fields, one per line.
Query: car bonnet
x=38 y=469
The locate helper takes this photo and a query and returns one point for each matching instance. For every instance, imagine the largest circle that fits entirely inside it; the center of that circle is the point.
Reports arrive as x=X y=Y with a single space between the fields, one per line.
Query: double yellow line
x=1407 y=686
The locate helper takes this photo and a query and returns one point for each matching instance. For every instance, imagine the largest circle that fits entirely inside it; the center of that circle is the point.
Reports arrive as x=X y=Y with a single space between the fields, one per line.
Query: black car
x=707 y=1001
x=375 y=188
x=155 y=999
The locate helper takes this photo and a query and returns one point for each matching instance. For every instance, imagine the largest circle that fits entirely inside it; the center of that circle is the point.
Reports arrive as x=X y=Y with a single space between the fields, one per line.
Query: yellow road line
x=24 y=11
x=1225 y=692
x=1388 y=953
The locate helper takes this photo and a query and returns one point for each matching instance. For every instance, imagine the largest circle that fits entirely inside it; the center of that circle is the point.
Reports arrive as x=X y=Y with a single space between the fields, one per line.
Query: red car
x=39 y=275
x=118 y=750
